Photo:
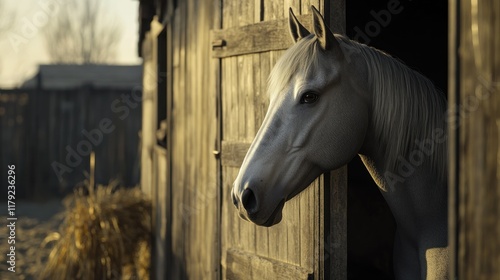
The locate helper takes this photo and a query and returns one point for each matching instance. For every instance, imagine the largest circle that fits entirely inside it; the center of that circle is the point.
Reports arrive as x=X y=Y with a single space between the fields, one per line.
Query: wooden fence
x=49 y=134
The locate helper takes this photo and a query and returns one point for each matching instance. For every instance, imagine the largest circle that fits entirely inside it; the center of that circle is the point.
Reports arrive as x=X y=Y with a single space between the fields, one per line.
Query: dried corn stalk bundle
x=105 y=235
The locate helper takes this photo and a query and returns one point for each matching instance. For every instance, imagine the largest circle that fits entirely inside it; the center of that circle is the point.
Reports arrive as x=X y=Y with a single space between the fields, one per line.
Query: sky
x=22 y=47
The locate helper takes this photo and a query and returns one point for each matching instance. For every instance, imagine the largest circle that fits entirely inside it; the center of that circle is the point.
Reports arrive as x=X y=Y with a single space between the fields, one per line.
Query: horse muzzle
x=249 y=208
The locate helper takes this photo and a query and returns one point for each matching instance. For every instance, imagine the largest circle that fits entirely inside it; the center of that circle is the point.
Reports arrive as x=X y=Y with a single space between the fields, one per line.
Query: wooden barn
x=205 y=69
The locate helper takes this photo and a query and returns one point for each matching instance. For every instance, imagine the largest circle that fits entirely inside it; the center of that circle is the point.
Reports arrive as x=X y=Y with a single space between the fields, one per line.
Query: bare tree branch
x=81 y=33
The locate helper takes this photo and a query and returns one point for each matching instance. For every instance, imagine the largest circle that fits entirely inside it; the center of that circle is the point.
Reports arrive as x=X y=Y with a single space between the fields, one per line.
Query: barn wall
x=181 y=172
x=474 y=124
x=211 y=102
x=193 y=133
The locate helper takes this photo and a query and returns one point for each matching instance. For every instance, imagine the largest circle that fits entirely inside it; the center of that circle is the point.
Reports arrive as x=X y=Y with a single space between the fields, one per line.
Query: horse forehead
x=299 y=71
x=316 y=78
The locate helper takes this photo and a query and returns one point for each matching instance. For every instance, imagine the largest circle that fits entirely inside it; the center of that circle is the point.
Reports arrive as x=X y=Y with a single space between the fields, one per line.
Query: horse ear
x=297 y=30
x=322 y=32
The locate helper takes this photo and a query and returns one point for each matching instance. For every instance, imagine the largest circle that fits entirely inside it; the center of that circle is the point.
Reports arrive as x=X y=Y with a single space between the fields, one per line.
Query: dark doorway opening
x=415 y=32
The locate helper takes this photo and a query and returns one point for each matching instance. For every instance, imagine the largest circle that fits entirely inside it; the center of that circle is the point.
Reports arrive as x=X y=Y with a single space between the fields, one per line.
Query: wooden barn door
x=474 y=139
x=305 y=244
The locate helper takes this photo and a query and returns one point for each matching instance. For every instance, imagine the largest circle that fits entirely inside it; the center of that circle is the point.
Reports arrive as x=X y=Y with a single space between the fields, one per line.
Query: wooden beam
x=254 y=38
x=244 y=265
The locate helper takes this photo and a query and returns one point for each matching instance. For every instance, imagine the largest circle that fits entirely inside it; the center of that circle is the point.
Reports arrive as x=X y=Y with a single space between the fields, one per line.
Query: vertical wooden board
x=240 y=94
x=294 y=4
x=251 y=91
x=210 y=135
x=306 y=6
x=337 y=265
x=225 y=232
x=225 y=85
x=477 y=245
x=148 y=117
x=196 y=240
x=319 y=230
x=263 y=99
x=245 y=12
x=226 y=13
x=247 y=235
x=262 y=242
x=256 y=89
x=273 y=10
x=452 y=136
x=182 y=180
x=232 y=131
x=292 y=223
x=200 y=235
x=191 y=194
x=277 y=239
x=245 y=94
x=177 y=152
x=230 y=213
x=258 y=12
x=306 y=221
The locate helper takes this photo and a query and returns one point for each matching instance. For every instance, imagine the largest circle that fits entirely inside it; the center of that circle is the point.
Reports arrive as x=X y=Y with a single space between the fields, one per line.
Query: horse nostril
x=249 y=201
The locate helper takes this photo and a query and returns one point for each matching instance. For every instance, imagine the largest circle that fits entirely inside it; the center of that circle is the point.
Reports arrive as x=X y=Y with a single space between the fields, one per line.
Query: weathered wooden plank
x=216 y=85
x=243 y=265
x=293 y=235
x=273 y=10
x=233 y=153
x=476 y=251
x=453 y=100
x=306 y=6
x=294 y=4
x=149 y=107
x=262 y=98
x=250 y=85
x=159 y=219
x=319 y=230
x=336 y=241
x=305 y=221
x=254 y=38
x=240 y=95
x=232 y=131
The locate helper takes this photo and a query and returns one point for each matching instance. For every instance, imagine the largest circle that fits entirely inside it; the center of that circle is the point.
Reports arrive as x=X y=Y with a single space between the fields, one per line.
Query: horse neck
x=406 y=118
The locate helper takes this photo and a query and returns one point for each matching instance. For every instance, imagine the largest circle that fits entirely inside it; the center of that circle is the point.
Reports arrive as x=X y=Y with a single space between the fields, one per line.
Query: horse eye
x=309 y=98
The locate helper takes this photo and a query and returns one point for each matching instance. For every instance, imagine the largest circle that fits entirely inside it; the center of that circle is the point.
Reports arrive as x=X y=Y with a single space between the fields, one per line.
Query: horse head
x=316 y=121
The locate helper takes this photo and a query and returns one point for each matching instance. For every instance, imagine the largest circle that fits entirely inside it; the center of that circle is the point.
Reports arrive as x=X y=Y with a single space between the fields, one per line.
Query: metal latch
x=218 y=43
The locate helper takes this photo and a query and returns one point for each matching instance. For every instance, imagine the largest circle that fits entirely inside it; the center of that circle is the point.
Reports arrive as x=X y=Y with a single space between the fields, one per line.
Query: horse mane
x=406 y=105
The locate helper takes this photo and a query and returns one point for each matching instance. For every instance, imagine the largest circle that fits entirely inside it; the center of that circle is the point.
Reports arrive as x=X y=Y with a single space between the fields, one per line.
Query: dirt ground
x=35 y=220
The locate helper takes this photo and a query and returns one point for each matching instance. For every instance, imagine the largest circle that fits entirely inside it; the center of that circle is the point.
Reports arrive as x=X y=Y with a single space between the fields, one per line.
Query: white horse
x=332 y=98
